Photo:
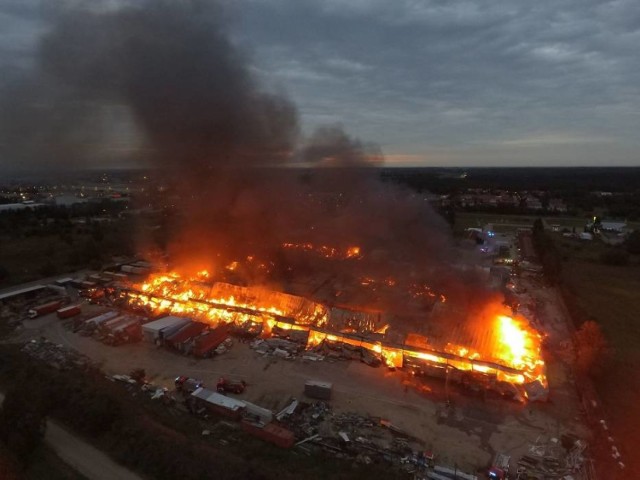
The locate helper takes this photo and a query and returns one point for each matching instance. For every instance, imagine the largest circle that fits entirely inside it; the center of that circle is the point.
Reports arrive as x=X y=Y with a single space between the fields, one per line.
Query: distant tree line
x=548 y=251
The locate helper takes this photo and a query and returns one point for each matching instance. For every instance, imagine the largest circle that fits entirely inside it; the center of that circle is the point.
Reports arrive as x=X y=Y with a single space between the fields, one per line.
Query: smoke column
x=170 y=70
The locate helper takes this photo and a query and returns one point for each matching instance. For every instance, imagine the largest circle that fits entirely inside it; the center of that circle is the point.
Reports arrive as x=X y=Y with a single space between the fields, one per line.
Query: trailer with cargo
x=90 y=325
x=204 y=345
x=68 y=312
x=270 y=432
x=217 y=403
x=183 y=339
x=125 y=331
x=158 y=330
x=44 y=309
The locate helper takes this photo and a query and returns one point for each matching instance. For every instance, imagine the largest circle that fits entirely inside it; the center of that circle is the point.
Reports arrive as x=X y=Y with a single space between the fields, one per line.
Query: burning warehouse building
x=497 y=347
x=213 y=135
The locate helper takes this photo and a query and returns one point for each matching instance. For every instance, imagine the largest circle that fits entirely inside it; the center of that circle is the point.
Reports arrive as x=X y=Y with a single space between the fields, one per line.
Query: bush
x=592 y=349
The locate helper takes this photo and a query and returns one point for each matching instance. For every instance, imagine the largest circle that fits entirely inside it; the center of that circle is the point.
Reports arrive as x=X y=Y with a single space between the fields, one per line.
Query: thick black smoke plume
x=171 y=70
x=171 y=65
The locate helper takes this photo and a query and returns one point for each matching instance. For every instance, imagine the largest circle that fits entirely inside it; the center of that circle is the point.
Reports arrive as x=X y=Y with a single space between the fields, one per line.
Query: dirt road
x=84 y=458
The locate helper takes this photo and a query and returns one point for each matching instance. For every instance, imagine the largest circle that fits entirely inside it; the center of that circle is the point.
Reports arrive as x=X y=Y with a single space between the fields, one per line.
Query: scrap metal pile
x=363 y=438
x=504 y=348
x=55 y=355
x=553 y=458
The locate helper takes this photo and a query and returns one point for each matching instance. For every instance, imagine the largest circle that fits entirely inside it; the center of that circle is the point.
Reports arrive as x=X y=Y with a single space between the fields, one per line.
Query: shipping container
x=100 y=318
x=68 y=312
x=217 y=403
x=205 y=344
x=179 y=339
x=318 y=390
x=133 y=332
x=114 y=322
x=44 y=309
x=271 y=433
x=125 y=325
x=158 y=330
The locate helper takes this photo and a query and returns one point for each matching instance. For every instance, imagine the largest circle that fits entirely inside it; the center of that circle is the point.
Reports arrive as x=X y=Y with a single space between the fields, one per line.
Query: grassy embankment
x=610 y=295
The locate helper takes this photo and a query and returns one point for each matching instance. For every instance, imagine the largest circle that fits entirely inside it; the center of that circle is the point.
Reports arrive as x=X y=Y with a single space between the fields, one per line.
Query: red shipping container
x=208 y=342
x=68 y=312
x=271 y=433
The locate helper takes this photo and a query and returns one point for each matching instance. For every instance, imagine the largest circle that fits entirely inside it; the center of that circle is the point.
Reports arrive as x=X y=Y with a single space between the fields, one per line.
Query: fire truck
x=225 y=385
x=187 y=385
x=500 y=468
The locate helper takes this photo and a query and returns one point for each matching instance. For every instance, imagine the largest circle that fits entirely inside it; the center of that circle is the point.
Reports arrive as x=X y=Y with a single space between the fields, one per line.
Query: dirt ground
x=466 y=434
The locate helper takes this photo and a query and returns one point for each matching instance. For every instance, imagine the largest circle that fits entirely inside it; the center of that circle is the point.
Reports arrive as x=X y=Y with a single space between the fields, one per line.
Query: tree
x=592 y=349
x=22 y=421
x=538 y=226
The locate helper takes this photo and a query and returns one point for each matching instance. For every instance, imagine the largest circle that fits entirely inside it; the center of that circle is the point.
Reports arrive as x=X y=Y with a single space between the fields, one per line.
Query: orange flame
x=510 y=350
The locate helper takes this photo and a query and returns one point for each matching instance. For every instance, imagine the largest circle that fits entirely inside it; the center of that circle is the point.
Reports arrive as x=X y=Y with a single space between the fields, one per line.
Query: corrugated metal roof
x=164 y=322
x=190 y=330
x=215 y=398
x=21 y=291
x=264 y=414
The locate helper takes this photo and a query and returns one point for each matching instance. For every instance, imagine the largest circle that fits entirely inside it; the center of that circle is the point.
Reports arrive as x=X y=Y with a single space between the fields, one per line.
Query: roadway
x=82 y=457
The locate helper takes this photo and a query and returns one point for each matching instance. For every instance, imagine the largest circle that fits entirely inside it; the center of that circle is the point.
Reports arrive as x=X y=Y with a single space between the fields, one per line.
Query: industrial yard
x=377 y=409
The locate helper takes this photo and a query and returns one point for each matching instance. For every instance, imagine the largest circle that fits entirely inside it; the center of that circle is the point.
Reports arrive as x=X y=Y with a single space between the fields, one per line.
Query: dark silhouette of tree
x=22 y=421
x=633 y=242
x=592 y=349
x=550 y=256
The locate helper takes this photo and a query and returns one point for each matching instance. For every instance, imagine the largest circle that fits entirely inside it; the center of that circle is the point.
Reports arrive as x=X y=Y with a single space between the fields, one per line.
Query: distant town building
x=557 y=205
x=533 y=203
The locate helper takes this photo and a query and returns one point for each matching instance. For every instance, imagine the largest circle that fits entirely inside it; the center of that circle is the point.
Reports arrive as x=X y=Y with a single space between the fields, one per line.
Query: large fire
x=503 y=347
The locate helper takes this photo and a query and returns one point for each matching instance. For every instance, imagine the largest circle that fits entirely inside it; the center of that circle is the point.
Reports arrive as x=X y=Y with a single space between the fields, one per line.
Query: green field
x=611 y=296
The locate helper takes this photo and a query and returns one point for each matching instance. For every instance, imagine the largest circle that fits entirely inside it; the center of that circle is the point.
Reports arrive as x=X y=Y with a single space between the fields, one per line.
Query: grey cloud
x=453 y=73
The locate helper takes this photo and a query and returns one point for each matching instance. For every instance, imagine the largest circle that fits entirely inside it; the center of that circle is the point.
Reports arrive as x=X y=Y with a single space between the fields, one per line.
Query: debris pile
x=363 y=438
x=278 y=347
x=55 y=355
x=556 y=458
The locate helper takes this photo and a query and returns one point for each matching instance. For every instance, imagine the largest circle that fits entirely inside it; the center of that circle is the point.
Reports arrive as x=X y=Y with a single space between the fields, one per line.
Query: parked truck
x=225 y=385
x=44 y=309
x=187 y=385
x=500 y=468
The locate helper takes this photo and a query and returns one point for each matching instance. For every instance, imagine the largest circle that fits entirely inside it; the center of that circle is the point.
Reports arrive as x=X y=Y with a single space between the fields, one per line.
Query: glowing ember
x=325 y=250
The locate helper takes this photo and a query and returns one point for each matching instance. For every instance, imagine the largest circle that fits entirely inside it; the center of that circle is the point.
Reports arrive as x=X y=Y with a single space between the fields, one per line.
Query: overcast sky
x=440 y=83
